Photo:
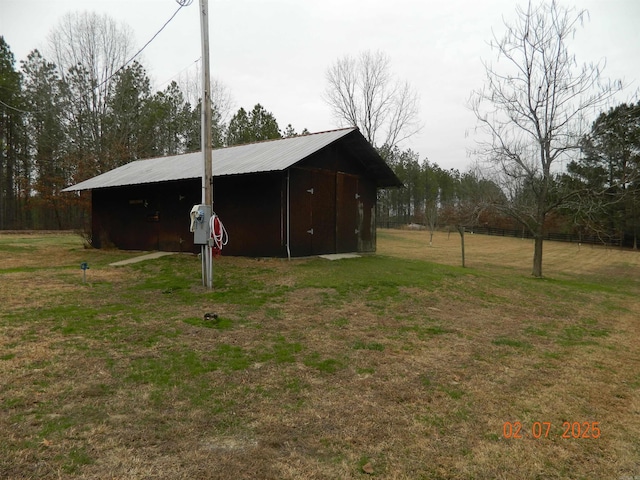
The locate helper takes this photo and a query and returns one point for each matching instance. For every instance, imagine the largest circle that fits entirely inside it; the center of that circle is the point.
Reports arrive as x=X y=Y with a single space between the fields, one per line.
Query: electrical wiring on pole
x=207 y=157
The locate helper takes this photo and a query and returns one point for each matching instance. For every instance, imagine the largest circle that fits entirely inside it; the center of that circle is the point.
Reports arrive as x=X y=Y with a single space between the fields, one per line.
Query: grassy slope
x=402 y=363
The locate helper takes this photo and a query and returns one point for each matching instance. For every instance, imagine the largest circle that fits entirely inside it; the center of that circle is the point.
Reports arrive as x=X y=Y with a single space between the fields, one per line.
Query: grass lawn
x=400 y=365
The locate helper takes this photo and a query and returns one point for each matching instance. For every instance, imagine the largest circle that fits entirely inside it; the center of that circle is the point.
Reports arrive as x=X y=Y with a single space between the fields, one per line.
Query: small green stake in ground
x=84 y=266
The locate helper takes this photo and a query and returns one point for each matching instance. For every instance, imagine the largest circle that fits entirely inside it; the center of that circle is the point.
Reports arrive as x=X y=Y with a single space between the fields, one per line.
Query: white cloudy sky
x=276 y=52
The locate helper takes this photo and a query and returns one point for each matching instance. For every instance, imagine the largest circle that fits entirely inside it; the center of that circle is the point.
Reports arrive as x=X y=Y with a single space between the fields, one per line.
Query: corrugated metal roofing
x=274 y=155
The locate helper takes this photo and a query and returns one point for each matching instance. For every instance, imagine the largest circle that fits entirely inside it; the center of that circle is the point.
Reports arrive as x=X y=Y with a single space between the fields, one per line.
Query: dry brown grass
x=410 y=367
x=484 y=251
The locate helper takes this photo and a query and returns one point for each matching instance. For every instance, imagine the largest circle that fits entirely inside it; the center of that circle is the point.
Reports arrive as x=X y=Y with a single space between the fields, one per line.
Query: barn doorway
x=323 y=212
x=346 y=213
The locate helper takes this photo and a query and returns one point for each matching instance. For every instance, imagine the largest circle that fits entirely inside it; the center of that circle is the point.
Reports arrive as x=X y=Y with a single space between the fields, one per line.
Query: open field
x=400 y=365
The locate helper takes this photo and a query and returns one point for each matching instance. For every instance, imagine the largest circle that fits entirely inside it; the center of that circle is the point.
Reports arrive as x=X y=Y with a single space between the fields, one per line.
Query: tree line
x=597 y=195
x=541 y=166
x=82 y=113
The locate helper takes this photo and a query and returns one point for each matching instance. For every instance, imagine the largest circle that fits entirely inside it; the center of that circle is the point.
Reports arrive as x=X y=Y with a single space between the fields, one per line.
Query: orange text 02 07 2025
x=576 y=430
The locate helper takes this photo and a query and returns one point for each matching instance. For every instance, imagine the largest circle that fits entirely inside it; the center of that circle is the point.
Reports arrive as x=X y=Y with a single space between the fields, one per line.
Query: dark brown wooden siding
x=347 y=213
x=250 y=206
x=144 y=217
x=367 y=202
x=300 y=208
x=332 y=210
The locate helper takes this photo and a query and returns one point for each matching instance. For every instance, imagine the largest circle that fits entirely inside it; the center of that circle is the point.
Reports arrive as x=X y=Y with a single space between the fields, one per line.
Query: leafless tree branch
x=362 y=93
x=535 y=108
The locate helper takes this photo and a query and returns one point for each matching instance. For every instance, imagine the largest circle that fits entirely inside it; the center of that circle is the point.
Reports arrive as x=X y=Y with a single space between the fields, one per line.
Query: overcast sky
x=276 y=52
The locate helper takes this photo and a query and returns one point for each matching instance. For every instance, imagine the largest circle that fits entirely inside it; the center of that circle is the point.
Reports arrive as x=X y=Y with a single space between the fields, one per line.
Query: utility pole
x=207 y=174
x=207 y=179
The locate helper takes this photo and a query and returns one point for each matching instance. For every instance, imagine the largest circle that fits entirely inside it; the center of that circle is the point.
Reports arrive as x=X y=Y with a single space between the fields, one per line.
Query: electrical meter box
x=200 y=216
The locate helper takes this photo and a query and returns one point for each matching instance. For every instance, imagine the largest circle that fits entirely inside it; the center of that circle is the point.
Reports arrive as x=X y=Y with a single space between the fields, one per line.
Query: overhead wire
x=181 y=3
x=162 y=84
x=18 y=109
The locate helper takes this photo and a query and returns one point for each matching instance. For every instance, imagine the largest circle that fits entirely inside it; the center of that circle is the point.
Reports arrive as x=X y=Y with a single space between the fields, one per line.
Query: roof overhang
x=269 y=156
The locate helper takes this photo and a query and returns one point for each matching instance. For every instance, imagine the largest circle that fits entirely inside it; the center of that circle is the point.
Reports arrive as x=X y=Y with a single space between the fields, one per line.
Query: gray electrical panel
x=200 y=216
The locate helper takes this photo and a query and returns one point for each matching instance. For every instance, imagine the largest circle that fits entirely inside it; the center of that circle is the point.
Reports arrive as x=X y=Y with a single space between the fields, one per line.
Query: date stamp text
x=570 y=430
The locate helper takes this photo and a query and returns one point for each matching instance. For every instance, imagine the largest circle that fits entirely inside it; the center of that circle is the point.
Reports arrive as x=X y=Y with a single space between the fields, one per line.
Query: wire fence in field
x=611 y=241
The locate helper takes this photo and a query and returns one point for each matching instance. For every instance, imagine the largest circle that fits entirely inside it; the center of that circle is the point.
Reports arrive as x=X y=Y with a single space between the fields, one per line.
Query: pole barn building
x=307 y=195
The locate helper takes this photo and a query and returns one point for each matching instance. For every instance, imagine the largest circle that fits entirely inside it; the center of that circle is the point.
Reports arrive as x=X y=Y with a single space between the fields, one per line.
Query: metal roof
x=273 y=155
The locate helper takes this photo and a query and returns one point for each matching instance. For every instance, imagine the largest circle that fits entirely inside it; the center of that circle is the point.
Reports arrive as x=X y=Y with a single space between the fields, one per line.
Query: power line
x=181 y=3
x=16 y=108
x=161 y=84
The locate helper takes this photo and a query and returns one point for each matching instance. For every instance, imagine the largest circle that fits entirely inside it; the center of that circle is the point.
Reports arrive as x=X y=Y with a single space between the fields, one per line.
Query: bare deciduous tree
x=88 y=49
x=362 y=92
x=474 y=197
x=92 y=40
x=535 y=109
x=222 y=102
